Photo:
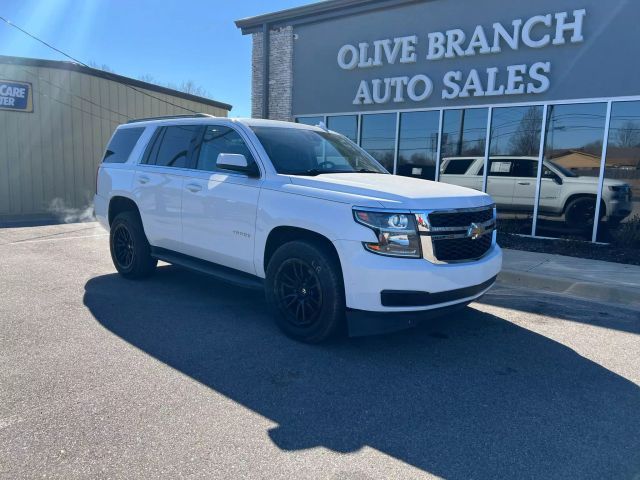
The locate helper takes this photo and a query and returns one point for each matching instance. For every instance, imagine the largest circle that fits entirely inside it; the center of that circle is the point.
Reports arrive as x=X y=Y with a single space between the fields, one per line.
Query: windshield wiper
x=366 y=170
x=312 y=172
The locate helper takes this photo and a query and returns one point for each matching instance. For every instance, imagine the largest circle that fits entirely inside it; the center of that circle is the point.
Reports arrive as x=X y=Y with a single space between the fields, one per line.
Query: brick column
x=280 y=73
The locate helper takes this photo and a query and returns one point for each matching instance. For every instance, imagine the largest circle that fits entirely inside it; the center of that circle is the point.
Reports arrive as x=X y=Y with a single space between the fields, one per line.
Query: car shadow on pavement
x=578 y=310
x=469 y=396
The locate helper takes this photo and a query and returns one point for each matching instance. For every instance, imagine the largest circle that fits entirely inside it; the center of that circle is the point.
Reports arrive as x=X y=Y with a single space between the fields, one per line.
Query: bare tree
x=526 y=139
x=189 y=86
x=148 y=78
x=628 y=134
x=104 y=67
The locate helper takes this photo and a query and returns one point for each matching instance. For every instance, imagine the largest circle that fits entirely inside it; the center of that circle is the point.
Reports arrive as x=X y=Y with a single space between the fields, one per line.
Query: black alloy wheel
x=123 y=247
x=580 y=213
x=130 y=249
x=298 y=292
x=305 y=290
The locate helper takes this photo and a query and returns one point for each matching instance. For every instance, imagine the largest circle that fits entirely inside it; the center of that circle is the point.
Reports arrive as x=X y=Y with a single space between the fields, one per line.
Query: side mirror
x=237 y=162
x=557 y=179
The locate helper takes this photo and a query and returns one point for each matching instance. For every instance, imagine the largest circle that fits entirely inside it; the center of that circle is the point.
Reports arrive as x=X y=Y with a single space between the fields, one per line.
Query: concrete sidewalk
x=590 y=279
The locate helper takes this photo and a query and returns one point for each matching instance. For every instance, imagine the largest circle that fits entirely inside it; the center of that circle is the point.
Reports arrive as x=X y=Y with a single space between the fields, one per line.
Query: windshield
x=564 y=171
x=296 y=151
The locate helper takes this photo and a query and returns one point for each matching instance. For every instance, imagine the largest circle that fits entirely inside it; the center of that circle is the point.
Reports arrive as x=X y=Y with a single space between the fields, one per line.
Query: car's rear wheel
x=304 y=288
x=130 y=250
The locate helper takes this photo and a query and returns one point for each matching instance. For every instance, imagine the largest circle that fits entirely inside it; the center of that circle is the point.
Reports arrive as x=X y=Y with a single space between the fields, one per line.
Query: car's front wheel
x=304 y=288
x=130 y=250
x=579 y=213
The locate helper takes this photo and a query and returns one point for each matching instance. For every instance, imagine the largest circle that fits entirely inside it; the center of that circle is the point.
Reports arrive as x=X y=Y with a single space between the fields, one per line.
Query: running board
x=228 y=275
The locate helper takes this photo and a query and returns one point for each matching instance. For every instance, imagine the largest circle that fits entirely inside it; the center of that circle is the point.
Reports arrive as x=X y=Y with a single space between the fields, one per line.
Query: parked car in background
x=564 y=195
x=298 y=211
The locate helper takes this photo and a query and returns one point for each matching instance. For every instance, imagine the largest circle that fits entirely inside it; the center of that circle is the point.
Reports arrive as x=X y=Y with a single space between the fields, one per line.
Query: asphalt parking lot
x=182 y=376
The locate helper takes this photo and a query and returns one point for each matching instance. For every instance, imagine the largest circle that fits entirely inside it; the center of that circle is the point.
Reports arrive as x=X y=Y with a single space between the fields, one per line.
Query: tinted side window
x=175 y=145
x=525 y=168
x=458 y=167
x=219 y=139
x=151 y=151
x=122 y=144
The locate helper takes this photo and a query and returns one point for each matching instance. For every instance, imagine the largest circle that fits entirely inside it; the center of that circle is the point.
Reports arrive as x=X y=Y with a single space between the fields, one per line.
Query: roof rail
x=168 y=117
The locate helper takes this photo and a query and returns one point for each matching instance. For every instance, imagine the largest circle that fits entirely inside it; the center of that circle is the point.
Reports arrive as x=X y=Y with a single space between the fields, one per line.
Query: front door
x=219 y=207
x=525 y=171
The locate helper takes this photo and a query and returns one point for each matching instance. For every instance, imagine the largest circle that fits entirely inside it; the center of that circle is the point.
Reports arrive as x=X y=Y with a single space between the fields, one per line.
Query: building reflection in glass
x=569 y=183
x=313 y=121
x=418 y=144
x=378 y=137
x=621 y=186
x=346 y=125
x=513 y=165
x=464 y=136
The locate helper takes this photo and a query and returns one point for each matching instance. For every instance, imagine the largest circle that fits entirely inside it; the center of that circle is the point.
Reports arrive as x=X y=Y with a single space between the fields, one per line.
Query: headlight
x=620 y=191
x=396 y=233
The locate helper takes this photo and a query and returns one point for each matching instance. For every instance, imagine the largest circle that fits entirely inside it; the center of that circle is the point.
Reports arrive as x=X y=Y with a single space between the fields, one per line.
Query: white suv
x=564 y=195
x=299 y=211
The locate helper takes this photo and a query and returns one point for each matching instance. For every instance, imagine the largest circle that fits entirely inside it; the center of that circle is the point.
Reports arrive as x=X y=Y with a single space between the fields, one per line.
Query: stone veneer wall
x=280 y=74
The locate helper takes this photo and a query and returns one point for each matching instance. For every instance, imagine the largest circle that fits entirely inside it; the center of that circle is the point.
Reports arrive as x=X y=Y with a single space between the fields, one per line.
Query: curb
x=616 y=294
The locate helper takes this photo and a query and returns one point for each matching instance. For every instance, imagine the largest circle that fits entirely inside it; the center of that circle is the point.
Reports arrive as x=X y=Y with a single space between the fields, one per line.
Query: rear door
x=159 y=182
x=463 y=172
x=219 y=206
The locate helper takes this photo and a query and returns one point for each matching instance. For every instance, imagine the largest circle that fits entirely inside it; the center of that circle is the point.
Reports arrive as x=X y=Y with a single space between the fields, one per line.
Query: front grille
x=458 y=249
x=460 y=219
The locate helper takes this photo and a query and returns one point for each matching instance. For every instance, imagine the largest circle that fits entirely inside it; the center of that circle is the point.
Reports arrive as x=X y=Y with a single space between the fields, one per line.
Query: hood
x=390 y=191
x=593 y=181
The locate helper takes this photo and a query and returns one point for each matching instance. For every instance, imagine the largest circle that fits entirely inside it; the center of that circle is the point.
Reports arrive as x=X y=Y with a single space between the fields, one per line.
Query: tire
x=614 y=222
x=305 y=291
x=579 y=213
x=130 y=250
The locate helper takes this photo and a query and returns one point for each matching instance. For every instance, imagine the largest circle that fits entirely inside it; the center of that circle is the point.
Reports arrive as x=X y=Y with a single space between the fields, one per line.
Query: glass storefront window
x=418 y=144
x=621 y=187
x=378 y=137
x=513 y=165
x=346 y=125
x=464 y=136
x=569 y=183
x=313 y=121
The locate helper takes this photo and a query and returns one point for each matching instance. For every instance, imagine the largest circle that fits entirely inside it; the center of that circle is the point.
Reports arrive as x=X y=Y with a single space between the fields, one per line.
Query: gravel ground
x=182 y=376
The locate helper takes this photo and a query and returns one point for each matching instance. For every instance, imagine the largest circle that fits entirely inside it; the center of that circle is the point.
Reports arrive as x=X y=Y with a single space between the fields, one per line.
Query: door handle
x=193 y=187
x=524 y=183
x=143 y=179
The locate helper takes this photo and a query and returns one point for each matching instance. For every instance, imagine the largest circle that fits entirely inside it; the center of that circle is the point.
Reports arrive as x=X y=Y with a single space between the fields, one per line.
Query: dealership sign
x=534 y=33
x=16 y=96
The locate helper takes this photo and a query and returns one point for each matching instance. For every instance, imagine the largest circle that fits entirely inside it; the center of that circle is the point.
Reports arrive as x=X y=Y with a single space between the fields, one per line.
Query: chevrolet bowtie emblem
x=475 y=231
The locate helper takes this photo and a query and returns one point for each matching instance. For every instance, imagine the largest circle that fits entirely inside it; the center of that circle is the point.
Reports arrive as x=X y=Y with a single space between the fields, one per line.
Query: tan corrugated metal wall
x=53 y=152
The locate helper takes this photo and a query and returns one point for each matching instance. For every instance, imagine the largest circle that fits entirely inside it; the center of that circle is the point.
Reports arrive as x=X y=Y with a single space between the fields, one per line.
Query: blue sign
x=16 y=96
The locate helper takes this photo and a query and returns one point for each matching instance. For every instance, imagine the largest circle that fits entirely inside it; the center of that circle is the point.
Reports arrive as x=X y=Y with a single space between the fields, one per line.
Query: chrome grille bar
x=475 y=230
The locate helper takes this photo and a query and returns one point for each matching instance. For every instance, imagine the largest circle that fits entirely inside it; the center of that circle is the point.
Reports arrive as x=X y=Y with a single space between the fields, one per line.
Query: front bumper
x=361 y=323
x=367 y=276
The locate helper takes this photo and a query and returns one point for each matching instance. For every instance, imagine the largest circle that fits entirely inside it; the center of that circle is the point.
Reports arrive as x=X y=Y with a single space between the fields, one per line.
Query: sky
x=172 y=41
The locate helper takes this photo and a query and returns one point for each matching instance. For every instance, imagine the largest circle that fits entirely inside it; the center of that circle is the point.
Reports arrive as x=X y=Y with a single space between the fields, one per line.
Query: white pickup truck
x=299 y=211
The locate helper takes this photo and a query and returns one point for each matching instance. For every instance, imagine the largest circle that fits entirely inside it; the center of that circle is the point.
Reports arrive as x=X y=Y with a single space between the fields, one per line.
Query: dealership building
x=55 y=121
x=536 y=103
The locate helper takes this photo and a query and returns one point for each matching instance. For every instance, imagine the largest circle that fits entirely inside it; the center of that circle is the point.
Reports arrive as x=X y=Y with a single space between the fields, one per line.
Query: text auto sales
x=536 y=32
